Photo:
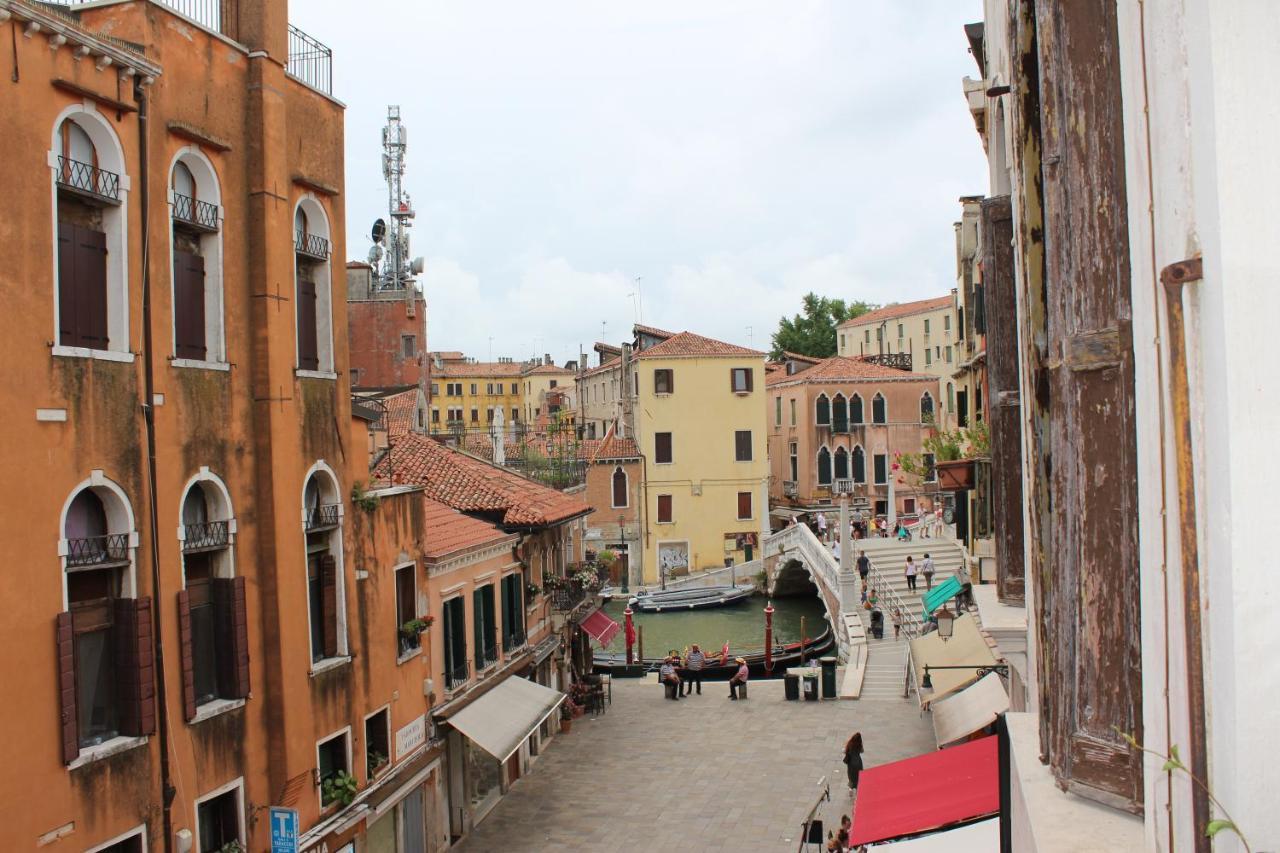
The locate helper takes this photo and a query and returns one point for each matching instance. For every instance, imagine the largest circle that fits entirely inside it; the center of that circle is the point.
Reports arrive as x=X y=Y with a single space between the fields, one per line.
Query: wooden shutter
x=664 y=508
x=308 y=354
x=67 y=302
x=744 y=505
x=91 y=288
x=67 y=688
x=662 y=447
x=135 y=666
x=1083 y=479
x=329 y=604
x=232 y=635
x=742 y=445
x=188 y=307
x=186 y=655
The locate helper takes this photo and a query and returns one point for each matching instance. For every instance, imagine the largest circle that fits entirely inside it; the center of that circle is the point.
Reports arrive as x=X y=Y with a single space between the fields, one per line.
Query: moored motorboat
x=689 y=599
x=784 y=656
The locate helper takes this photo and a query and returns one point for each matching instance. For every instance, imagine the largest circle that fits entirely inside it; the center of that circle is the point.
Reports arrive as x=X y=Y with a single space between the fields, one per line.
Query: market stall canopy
x=500 y=720
x=980 y=837
x=941 y=593
x=971 y=710
x=966 y=648
x=928 y=792
x=600 y=626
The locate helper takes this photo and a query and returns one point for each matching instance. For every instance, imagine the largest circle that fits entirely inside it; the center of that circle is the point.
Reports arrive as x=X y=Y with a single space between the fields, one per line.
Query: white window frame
x=885 y=405
x=657 y=515
x=750 y=494
x=885 y=457
x=419 y=606
x=208 y=189
x=139 y=831
x=933 y=407
x=862 y=409
x=391 y=759
x=323 y=472
x=817 y=465
x=317 y=224
x=852 y=451
x=821 y=396
x=345 y=730
x=236 y=785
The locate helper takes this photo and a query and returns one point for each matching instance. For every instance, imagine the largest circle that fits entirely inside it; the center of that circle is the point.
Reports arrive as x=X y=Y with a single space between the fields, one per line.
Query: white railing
x=822 y=566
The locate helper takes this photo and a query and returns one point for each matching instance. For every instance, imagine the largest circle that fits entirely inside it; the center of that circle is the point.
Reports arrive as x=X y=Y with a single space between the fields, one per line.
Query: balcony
x=323 y=517
x=98 y=551
x=896 y=360
x=842 y=486
x=514 y=641
x=488 y=657
x=206 y=536
x=310 y=61
x=790 y=489
x=311 y=246
x=200 y=215
x=457 y=676
x=87 y=180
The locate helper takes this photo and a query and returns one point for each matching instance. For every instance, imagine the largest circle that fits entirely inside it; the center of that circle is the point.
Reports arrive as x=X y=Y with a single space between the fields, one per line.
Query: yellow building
x=927 y=331
x=465 y=394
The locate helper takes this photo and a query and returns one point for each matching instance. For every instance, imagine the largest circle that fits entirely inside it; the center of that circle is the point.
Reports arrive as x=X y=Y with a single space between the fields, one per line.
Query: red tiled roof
x=841 y=369
x=601 y=346
x=614 y=447
x=479 y=369
x=902 y=309
x=448 y=531
x=687 y=344
x=796 y=356
x=473 y=485
x=401 y=408
x=547 y=369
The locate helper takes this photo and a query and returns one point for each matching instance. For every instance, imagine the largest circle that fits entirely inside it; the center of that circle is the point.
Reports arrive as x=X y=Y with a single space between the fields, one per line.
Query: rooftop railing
x=310 y=61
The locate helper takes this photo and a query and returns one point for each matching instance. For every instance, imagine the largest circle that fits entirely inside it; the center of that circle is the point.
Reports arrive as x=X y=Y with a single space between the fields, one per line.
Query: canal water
x=740 y=624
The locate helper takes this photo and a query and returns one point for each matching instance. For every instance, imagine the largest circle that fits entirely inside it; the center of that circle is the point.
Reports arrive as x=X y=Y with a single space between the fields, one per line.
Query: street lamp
x=946 y=623
x=1000 y=669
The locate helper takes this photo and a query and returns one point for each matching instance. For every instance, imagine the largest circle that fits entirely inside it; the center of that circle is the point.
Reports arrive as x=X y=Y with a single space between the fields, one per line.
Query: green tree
x=813 y=332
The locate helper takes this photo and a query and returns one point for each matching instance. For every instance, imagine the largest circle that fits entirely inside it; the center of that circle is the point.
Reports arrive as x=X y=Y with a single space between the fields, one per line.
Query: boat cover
x=500 y=720
x=966 y=648
x=600 y=626
x=971 y=710
x=927 y=792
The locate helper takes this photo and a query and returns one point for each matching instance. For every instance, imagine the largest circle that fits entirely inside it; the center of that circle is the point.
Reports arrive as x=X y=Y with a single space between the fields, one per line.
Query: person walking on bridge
x=926 y=567
x=864 y=566
x=911 y=574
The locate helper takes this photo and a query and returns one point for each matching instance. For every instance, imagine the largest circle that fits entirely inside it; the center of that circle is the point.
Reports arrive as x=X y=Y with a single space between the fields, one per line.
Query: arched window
x=859 y=465
x=842 y=464
x=91 y=282
x=620 y=492
x=855 y=409
x=839 y=414
x=926 y=408
x=322 y=522
x=197 y=261
x=879 y=413
x=822 y=411
x=312 y=288
x=212 y=617
x=824 y=467
x=104 y=636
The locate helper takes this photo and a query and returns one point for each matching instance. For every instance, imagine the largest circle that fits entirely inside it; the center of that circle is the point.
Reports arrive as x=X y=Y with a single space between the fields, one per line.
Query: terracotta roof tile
x=612 y=446
x=841 y=369
x=401 y=409
x=448 y=531
x=651 y=331
x=687 y=344
x=478 y=369
x=549 y=369
x=473 y=485
x=903 y=309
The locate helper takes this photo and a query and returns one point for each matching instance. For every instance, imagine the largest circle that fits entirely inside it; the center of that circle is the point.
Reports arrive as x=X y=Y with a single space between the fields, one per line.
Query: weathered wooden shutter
x=91 y=288
x=329 y=604
x=662 y=447
x=188 y=309
x=67 y=301
x=186 y=654
x=1083 y=478
x=67 y=688
x=1002 y=385
x=135 y=666
x=744 y=504
x=232 y=632
x=308 y=354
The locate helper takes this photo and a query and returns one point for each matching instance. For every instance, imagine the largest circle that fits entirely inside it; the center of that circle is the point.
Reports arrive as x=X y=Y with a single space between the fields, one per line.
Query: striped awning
x=600 y=627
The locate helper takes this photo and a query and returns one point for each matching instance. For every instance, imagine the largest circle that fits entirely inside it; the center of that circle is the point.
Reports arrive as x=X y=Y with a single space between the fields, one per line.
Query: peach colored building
x=836 y=425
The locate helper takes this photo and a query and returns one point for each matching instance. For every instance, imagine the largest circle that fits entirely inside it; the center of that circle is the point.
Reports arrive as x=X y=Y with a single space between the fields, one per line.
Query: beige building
x=548 y=390
x=918 y=336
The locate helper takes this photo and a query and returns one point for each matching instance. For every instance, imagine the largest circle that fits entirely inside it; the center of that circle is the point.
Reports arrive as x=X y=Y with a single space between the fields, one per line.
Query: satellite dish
x=375 y=255
x=416 y=266
x=379 y=230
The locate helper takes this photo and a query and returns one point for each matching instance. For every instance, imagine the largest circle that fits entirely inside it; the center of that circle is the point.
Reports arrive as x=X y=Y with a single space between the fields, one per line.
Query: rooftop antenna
x=603 y=325
x=637 y=303
x=391 y=243
x=750 y=337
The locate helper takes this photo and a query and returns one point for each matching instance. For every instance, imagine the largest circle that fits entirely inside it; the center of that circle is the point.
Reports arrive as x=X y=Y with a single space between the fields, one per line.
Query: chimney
x=546 y=358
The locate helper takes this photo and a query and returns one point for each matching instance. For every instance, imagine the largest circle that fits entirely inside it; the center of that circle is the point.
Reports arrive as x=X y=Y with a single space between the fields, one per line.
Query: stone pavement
x=703 y=773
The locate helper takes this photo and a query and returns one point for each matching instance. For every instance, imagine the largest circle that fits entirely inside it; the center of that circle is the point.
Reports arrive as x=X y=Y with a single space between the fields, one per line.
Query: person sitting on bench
x=671 y=681
x=739 y=680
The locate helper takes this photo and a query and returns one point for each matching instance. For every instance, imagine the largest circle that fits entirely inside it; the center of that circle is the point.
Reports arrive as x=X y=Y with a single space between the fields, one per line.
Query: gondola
x=784 y=656
x=689 y=599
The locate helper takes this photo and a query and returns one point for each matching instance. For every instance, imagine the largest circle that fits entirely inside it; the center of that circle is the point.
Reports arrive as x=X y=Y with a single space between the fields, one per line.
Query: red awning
x=600 y=626
x=927 y=792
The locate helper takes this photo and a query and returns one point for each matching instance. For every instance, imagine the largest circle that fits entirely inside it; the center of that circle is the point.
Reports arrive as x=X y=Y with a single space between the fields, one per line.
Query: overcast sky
x=734 y=154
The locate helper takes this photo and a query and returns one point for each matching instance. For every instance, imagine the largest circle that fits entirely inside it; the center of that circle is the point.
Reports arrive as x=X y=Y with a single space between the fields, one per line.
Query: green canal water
x=740 y=624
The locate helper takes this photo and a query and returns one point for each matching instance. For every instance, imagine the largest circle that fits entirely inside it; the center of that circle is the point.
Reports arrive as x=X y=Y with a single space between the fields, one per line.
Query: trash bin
x=791 y=686
x=828 y=677
x=811 y=688
x=877 y=624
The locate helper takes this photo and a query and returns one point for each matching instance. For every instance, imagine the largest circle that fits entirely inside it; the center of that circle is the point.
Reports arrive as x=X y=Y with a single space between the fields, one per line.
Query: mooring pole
x=768 y=637
x=630 y=631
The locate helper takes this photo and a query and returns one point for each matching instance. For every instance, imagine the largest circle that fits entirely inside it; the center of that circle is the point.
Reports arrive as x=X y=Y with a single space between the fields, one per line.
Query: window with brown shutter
x=742 y=445
x=664 y=381
x=308 y=352
x=67 y=688
x=135 y=666
x=744 y=506
x=186 y=655
x=232 y=637
x=740 y=379
x=664 y=509
x=188 y=306
x=82 y=287
x=662 y=447
x=329 y=607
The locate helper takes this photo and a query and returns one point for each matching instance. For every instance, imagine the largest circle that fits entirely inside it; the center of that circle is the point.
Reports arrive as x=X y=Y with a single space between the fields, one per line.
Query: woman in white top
x=911 y=574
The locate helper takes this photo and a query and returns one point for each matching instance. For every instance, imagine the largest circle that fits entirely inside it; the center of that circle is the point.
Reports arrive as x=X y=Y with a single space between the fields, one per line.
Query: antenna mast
x=397 y=270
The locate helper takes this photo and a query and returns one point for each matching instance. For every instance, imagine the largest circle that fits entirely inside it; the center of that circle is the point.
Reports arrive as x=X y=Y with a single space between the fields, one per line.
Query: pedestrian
x=835 y=547
x=904 y=535
x=667 y=675
x=922 y=521
x=864 y=566
x=911 y=574
x=853 y=759
x=872 y=599
x=897 y=622
x=856 y=522
x=739 y=679
x=926 y=567
x=937 y=521
x=822 y=526
x=864 y=592
x=964 y=598
x=693 y=664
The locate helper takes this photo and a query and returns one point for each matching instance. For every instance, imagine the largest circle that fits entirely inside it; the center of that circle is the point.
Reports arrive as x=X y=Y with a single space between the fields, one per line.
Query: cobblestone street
x=701 y=774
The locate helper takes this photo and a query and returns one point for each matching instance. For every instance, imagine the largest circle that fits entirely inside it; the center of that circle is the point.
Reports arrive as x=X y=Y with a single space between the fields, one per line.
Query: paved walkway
x=701 y=774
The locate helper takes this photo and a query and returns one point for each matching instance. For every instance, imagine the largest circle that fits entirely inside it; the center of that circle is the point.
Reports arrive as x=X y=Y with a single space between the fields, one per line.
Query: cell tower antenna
x=397 y=269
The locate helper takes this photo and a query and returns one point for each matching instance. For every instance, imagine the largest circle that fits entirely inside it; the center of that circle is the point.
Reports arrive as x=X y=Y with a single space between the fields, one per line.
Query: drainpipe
x=168 y=791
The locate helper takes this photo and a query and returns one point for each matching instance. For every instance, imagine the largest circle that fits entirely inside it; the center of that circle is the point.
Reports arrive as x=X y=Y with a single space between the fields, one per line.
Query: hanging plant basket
x=955 y=476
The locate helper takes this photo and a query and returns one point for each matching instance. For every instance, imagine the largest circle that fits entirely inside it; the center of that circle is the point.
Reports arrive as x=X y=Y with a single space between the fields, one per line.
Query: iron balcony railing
x=88 y=179
x=98 y=550
x=322 y=516
x=513 y=641
x=489 y=656
x=897 y=360
x=310 y=61
x=458 y=675
x=568 y=595
x=311 y=245
x=205 y=536
x=193 y=211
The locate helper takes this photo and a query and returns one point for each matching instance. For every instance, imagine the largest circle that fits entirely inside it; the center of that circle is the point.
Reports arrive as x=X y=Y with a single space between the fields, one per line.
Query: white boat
x=689 y=599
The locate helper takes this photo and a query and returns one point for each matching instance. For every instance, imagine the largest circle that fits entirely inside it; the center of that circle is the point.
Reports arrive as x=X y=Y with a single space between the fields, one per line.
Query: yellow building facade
x=467 y=394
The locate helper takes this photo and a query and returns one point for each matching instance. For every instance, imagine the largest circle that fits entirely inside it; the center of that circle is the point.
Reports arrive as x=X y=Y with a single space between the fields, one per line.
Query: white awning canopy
x=972 y=709
x=966 y=649
x=980 y=837
x=500 y=720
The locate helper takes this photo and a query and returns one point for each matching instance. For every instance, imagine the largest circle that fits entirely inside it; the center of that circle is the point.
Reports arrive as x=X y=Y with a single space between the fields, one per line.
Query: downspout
x=168 y=791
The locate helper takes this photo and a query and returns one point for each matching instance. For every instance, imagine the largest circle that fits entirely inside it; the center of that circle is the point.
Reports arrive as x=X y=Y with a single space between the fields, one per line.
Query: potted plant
x=532 y=591
x=338 y=787
x=376 y=762
x=414 y=627
x=954 y=452
x=566 y=715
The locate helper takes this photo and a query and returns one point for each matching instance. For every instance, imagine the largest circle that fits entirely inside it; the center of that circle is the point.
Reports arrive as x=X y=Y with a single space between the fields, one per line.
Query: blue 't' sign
x=284 y=830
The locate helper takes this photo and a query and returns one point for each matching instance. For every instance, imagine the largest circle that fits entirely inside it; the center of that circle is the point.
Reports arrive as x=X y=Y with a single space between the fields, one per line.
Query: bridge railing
x=912 y=625
x=818 y=559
